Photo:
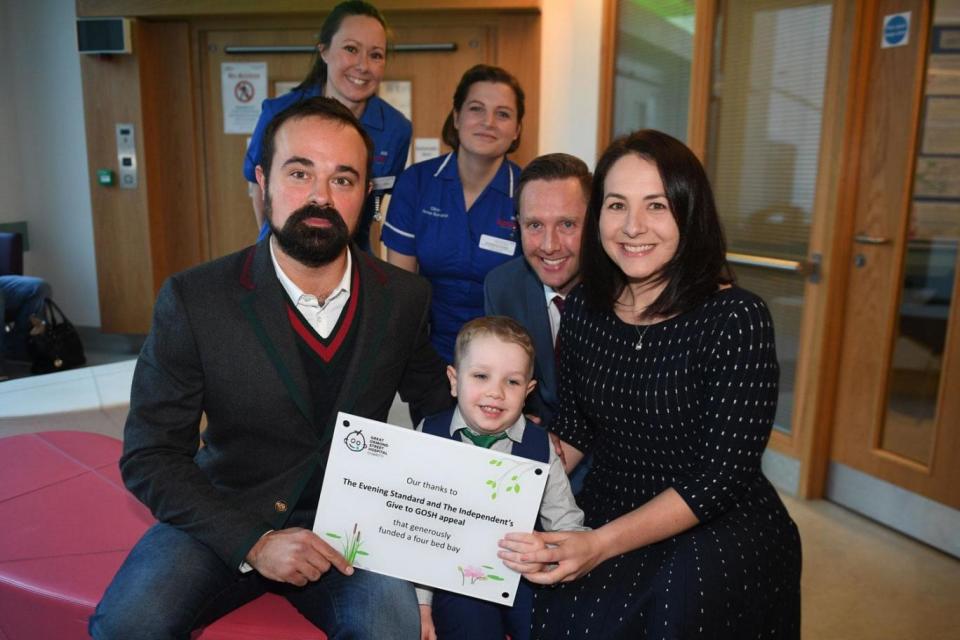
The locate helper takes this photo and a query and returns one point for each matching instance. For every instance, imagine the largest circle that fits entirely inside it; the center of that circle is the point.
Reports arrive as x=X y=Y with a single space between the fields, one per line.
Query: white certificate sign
x=426 y=509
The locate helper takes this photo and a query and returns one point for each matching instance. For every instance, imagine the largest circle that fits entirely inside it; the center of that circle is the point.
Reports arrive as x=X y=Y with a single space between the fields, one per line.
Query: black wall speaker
x=103 y=35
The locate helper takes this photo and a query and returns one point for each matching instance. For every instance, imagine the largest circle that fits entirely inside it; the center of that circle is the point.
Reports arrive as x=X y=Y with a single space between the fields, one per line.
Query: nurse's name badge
x=497 y=245
x=383 y=183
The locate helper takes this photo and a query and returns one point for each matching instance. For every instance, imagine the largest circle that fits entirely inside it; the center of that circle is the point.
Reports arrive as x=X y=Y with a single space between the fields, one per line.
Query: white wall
x=43 y=161
x=570 y=77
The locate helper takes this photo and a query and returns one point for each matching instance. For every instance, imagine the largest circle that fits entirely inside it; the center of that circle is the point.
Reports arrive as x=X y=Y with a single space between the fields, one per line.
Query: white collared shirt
x=552 y=311
x=322 y=317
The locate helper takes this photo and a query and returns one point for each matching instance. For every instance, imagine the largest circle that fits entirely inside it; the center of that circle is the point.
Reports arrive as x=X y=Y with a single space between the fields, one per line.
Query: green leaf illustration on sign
x=509 y=480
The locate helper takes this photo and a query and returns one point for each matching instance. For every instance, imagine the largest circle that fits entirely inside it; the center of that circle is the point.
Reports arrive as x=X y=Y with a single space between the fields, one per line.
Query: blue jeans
x=172 y=583
x=20 y=297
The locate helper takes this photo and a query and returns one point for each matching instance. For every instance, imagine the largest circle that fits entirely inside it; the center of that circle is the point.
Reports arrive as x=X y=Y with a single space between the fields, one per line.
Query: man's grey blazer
x=222 y=346
x=513 y=289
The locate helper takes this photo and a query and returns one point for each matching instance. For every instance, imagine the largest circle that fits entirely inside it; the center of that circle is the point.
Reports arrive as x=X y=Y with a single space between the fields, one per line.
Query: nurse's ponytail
x=318 y=72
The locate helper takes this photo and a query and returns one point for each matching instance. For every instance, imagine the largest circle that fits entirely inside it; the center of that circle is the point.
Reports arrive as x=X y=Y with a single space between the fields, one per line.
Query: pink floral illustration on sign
x=476 y=573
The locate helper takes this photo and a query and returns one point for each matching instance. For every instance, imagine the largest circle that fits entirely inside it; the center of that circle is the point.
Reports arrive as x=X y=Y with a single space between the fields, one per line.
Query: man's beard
x=308 y=245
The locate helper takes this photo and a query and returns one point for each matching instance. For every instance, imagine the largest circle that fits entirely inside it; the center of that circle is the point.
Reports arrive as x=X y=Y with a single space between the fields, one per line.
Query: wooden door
x=433 y=75
x=897 y=414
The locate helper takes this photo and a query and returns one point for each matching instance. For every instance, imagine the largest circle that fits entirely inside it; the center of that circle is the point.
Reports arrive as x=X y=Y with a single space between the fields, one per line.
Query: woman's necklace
x=640 y=335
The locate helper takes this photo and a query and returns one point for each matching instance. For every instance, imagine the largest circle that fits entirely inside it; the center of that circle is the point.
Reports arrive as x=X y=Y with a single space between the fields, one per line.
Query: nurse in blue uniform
x=453 y=217
x=351 y=57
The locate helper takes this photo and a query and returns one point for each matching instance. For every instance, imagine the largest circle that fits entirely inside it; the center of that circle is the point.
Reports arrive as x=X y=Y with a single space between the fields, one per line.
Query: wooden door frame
x=700 y=69
x=608 y=64
x=830 y=237
x=888 y=465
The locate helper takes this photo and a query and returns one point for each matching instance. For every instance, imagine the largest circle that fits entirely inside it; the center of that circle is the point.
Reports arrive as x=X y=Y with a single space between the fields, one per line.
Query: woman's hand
x=568 y=555
x=427 y=630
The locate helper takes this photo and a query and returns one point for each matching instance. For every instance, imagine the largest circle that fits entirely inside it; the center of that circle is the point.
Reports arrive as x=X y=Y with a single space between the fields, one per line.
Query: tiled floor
x=860 y=580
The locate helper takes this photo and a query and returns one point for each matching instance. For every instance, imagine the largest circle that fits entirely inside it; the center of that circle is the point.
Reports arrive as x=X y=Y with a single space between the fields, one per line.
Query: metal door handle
x=809 y=268
x=862 y=238
x=764 y=262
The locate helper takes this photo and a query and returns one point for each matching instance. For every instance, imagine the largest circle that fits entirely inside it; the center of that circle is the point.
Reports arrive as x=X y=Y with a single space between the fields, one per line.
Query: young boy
x=491 y=378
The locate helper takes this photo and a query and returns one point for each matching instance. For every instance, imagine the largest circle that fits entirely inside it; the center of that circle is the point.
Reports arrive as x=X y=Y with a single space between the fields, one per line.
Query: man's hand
x=295 y=555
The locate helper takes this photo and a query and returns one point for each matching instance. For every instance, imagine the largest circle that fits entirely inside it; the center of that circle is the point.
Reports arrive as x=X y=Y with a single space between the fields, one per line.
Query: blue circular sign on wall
x=895 y=30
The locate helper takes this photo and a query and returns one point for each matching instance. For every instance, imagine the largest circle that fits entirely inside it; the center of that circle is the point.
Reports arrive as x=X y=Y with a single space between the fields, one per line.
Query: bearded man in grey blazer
x=269 y=344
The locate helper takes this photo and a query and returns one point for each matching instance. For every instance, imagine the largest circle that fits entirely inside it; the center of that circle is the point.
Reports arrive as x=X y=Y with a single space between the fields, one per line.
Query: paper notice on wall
x=243 y=86
x=284 y=86
x=399 y=95
x=425 y=148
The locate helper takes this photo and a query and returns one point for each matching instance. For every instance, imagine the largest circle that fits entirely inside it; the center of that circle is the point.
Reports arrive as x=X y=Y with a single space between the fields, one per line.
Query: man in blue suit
x=552 y=202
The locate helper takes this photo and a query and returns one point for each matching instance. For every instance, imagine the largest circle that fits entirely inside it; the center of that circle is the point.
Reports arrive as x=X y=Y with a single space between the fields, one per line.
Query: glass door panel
x=915 y=384
x=765 y=121
x=652 y=68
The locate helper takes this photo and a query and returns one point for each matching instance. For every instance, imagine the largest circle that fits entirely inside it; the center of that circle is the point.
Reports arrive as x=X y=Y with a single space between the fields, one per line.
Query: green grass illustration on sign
x=350 y=544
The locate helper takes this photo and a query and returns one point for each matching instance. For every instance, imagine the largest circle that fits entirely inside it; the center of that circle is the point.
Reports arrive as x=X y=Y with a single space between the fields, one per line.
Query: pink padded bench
x=66 y=525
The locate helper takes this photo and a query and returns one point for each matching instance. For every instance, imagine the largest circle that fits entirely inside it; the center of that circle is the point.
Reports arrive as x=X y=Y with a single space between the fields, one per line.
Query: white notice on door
x=398 y=93
x=425 y=148
x=243 y=86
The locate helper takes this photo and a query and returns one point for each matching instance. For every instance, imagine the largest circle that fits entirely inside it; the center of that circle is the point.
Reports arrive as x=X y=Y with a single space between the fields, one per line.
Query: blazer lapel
x=540 y=329
x=376 y=308
x=263 y=304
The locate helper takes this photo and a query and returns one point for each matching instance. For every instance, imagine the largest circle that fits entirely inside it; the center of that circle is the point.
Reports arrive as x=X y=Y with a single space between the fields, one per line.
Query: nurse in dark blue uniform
x=453 y=217
x=351 y=57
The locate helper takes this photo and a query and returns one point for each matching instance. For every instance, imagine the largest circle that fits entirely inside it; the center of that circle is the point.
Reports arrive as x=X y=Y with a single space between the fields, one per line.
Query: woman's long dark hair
x=481 y=73
x=698 y=267
x=318 y=72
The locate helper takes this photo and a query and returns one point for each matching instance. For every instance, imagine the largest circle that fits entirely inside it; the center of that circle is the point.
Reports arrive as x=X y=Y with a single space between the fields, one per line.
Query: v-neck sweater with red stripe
x=325 y=362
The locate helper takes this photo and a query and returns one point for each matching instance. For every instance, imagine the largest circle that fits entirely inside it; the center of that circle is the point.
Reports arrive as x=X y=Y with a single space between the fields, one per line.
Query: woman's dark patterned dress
x=691 y=409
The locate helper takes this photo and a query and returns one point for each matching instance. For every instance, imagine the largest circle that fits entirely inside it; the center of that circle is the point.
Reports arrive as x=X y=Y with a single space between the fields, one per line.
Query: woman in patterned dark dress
x=669 y=377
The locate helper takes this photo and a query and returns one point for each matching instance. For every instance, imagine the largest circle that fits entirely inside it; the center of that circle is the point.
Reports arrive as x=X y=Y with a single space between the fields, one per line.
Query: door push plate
x=126 y=156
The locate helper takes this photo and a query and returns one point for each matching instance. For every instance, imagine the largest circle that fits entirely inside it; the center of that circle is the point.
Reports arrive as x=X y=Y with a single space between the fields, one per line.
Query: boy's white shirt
x=558 y=508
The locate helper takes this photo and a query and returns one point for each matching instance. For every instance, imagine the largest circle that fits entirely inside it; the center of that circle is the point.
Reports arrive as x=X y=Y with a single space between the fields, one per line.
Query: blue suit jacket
x=514 y=290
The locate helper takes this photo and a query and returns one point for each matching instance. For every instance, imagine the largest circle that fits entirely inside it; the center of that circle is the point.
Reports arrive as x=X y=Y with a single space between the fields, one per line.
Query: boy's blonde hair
x=506 y=329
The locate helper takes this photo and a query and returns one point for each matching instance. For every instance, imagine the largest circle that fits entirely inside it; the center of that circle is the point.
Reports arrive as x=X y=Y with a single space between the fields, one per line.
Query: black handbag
x=54 y=343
